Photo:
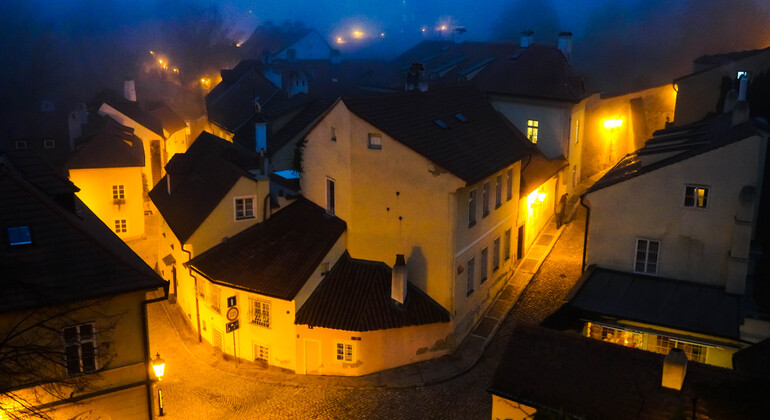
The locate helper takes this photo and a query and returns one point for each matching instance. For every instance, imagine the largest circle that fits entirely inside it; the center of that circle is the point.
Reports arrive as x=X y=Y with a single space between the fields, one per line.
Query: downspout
x=266 y=207
x=147 y=355
x=585 y=234
x=197 y=305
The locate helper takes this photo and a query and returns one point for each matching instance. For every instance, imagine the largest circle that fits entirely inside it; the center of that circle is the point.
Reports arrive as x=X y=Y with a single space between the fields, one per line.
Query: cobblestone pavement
x=196 y=390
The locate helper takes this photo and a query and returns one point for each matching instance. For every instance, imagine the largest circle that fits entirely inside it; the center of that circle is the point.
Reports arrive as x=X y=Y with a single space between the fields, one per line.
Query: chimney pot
x=398 y=280
x=527 y=37
x=674 y=369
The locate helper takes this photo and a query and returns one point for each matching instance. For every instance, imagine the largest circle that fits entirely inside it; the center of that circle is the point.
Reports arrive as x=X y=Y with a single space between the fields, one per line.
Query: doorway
x=520 y=243
x=312 y=356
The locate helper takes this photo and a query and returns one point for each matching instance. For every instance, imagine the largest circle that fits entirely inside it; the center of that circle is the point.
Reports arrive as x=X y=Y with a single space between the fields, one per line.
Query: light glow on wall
x=613 y=123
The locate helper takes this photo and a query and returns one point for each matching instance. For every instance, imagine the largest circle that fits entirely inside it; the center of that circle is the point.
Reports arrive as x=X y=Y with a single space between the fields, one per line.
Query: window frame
x=472 y=207
x=484 y=266
x=507 y=244
x=258 y=352
x=121 y=226
x=374 y=145
x=49 y=143
x=496 y=254
x=533 y=130
x=244 y=210
x=331 y=198
x=509 y=192
x=16 y=240
x=20 y=144
x=118 y=192
x=80 y=343
x=498 y=191
x=646 y=262
x=253 y=312
x=694 y=197
x=348 y=354
x=470 y=282
x=485 y=191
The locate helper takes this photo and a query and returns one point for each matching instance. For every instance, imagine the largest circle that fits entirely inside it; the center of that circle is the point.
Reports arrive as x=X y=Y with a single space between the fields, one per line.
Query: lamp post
x=159 y=366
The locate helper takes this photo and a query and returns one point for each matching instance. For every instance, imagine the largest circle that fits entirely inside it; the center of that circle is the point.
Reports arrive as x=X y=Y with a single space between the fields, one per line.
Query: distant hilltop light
x=357 y=34
x=382 y=34
x=339 y=40
x=423 y=29
x=443 y=27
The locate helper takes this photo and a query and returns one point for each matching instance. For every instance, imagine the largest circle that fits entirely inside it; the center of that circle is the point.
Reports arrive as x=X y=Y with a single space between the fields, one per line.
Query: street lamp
x=159 y=366
x=612 y=124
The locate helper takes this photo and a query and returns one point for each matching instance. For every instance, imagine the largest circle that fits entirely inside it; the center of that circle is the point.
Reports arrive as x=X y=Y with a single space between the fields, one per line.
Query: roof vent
x=441 y=124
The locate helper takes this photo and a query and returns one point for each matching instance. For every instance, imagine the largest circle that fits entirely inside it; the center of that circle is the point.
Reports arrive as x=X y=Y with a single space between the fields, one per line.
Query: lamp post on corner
x=159 y=366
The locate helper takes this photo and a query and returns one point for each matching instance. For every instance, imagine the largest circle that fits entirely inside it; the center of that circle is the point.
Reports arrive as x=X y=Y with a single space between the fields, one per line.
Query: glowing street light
x=159 y=366
x=613 y=123
x=358 y=34
x=340 y=40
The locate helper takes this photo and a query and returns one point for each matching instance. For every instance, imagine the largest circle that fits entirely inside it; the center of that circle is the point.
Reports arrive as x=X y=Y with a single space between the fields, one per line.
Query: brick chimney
x=398 y=280
x=674 y=369
x=527 y=38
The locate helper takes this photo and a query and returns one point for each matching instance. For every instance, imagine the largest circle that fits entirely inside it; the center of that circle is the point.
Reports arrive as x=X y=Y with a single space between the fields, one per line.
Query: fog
x=67 y=51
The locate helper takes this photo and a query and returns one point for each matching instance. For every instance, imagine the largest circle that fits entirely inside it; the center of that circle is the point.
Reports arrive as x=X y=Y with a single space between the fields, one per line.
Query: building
x=288 y=43
x=75 y=306
x=44 y=131
x=672 y=231
x=562 y=375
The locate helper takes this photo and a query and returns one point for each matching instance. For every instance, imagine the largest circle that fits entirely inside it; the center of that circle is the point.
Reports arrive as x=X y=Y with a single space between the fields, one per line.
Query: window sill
x=245 y=218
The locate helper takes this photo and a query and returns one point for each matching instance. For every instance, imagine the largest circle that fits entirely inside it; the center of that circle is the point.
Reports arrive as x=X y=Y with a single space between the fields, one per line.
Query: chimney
x=527 y=37
x=398 y=280
x=744 y=87
x=415 y=78
x=458 y=35
x=674 y=369
x=129 y=90
x=565 y=45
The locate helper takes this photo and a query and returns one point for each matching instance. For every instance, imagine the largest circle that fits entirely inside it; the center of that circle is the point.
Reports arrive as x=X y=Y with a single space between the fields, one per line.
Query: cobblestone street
x=194 y=389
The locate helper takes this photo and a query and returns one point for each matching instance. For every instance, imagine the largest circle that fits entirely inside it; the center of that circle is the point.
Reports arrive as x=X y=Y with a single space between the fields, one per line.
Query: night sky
x=82 y=46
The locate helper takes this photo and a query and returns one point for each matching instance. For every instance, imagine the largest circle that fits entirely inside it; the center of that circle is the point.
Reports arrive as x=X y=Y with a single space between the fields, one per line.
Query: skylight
x=19 y=235
x=461 y=117
x=441 y=124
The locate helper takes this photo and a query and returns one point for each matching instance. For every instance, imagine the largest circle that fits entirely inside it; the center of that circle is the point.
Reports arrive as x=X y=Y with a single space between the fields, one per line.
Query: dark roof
x=299 y=126
x=70 y=259
x=471 y=150
x=128 y=108
x=754 y=360
x=200 y=178
x=169 y=120
x=538 y=71
x=355 y=296
x=538 y=170
x=273 y=39
x=111 y=146
x=232 y=102
x=691 y=307
x=584 y=378
x=276 y=257
x=673 y=145
x=707 y=62
x=39 y=173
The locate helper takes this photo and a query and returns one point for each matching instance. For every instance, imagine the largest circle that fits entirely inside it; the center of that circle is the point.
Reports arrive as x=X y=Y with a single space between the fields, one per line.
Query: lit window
x=375 y=141
x=646 y=256
x=261 y=353
x=496 y=254
x=330 y=196
x=80 y=348
x=469 y=281
x=333 y=134
x=472 y=208
x=244 y=208
x=120 y=226
x=49 y=143
x=484 y=265
x=344 y=352
x=19 y=235
x=118 y=192
x=577 y=131
x=696 y=196
x=694 y=352
x=625 y=338
x=21 y=144
x=498 y=191
x=260 y=312
x=509 y=188
x=507 y=244
x=532 y=129
x=485 y=200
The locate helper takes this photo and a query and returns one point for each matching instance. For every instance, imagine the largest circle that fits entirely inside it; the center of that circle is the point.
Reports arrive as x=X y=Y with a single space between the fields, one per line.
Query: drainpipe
x=197 y=305
x=266 y=207
x=146 y=345
x=585 y=235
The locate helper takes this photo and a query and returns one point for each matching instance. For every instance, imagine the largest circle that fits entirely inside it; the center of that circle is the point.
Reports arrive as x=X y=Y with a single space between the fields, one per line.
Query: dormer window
x=532 y=129
x=19 y=235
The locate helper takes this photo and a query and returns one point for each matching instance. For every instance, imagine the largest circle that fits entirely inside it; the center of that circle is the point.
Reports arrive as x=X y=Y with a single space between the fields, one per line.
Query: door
x=312 y=356
x=520 y=243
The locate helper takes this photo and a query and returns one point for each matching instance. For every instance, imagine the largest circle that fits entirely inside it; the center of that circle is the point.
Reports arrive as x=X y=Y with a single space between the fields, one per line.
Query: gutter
x=585 y=234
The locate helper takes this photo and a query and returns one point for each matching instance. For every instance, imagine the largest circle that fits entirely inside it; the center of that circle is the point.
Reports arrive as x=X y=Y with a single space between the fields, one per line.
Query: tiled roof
x=676 y=144
x=707 y=62
x=128 y=108
x=40 y=174
x=538 y=170
x=276 y=257
x=169 y=120
x=111 y=146
x=584 y=378
x=473 y=149
x=70 y=259
x=232 y=102
x=273 y=38
x=300 y=125
x=538 y=71
x=355 y=296
x=692 y=307
x=201 y=177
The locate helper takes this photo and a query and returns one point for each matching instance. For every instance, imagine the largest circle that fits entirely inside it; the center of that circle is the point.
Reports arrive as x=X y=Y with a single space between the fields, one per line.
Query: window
x=19 y=235
x=694 y=352
x=472 y=208
x=507 y=244
x=532 y=128
x=21 y=144
x=214 y=297
x=325 y=267
x=80 y=348
x=484 y=265
x=499 y=191
x=118 y=192
x=625 y=338
x=261 y=353
x=469 y=277
x=330 y=196
x=496 y=254
x=120 y=226
x=244 y=208
x=260 y=312
x=646 y=256
x=375 y=141
x=344 y=352
x=49 y=143
x=485 y=200
x=577 y=131
x=510 y=185
x=333 y=134
x=696 y=196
